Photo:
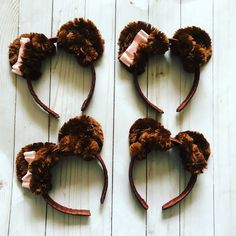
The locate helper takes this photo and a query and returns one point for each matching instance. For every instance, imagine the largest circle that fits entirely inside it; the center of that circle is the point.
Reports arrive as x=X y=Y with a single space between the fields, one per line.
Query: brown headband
x=81 y=136
x=138 y=41
x=147 y=134
x=79 y=37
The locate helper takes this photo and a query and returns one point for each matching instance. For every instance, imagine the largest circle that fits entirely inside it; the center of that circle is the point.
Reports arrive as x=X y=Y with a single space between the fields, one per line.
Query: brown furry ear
x=45 y=159
x=194 y=151
x=39 y=48
x=146 y=135
x=157 y=44
x=193 y=46
x=81 y=38
x=81 y=136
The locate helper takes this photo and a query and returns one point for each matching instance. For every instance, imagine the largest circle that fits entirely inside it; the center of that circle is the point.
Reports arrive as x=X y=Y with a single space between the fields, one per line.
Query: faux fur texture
x=146 y=135
x=45 y=159
x=81 y=136
x=193 y=46
x=194 y=151
x=39 y=48
x=157 y=44
x=81 y=38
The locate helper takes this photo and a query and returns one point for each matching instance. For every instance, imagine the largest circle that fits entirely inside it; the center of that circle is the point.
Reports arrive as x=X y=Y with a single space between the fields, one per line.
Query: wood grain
x=224 y=117
x=211 y=207
x=8 y=30
x=128 y=108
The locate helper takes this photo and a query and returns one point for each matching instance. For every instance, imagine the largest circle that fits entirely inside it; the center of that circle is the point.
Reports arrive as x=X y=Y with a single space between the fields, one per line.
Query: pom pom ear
x=26 y=54
x=137 y=42
x=194 y=151
x=156 y=44
x=81 y=136
x=40 y=167
x=37 y=49
x=193 y=46
x=81 y=38
x=146 y=135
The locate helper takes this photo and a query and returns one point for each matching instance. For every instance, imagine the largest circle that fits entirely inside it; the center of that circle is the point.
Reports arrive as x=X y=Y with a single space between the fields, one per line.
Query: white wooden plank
x=224 y=117
x=197 y=209
x=127 y=213
x=8 y=31
x=101 y=108
x=31 y=123
x=164 y=90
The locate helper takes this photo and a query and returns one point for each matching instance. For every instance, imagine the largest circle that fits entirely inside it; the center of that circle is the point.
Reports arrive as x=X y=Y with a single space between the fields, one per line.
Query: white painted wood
x=8 y=30
x=209 y=210
x=224 y=117
x=102 y=107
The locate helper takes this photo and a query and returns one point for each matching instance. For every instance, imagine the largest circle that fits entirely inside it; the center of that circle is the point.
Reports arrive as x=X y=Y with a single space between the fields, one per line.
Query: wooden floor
x=211 y=207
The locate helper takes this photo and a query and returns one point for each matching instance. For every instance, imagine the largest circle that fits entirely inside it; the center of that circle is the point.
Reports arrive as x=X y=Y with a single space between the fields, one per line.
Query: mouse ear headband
x=138 y=41
x=147 y=135
x=82 y=137
x=79 y=37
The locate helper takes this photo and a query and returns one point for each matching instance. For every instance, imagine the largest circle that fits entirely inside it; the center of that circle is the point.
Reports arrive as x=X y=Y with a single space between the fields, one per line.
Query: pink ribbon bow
x=16 y=66
x=29 y=157
x=128 y=56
